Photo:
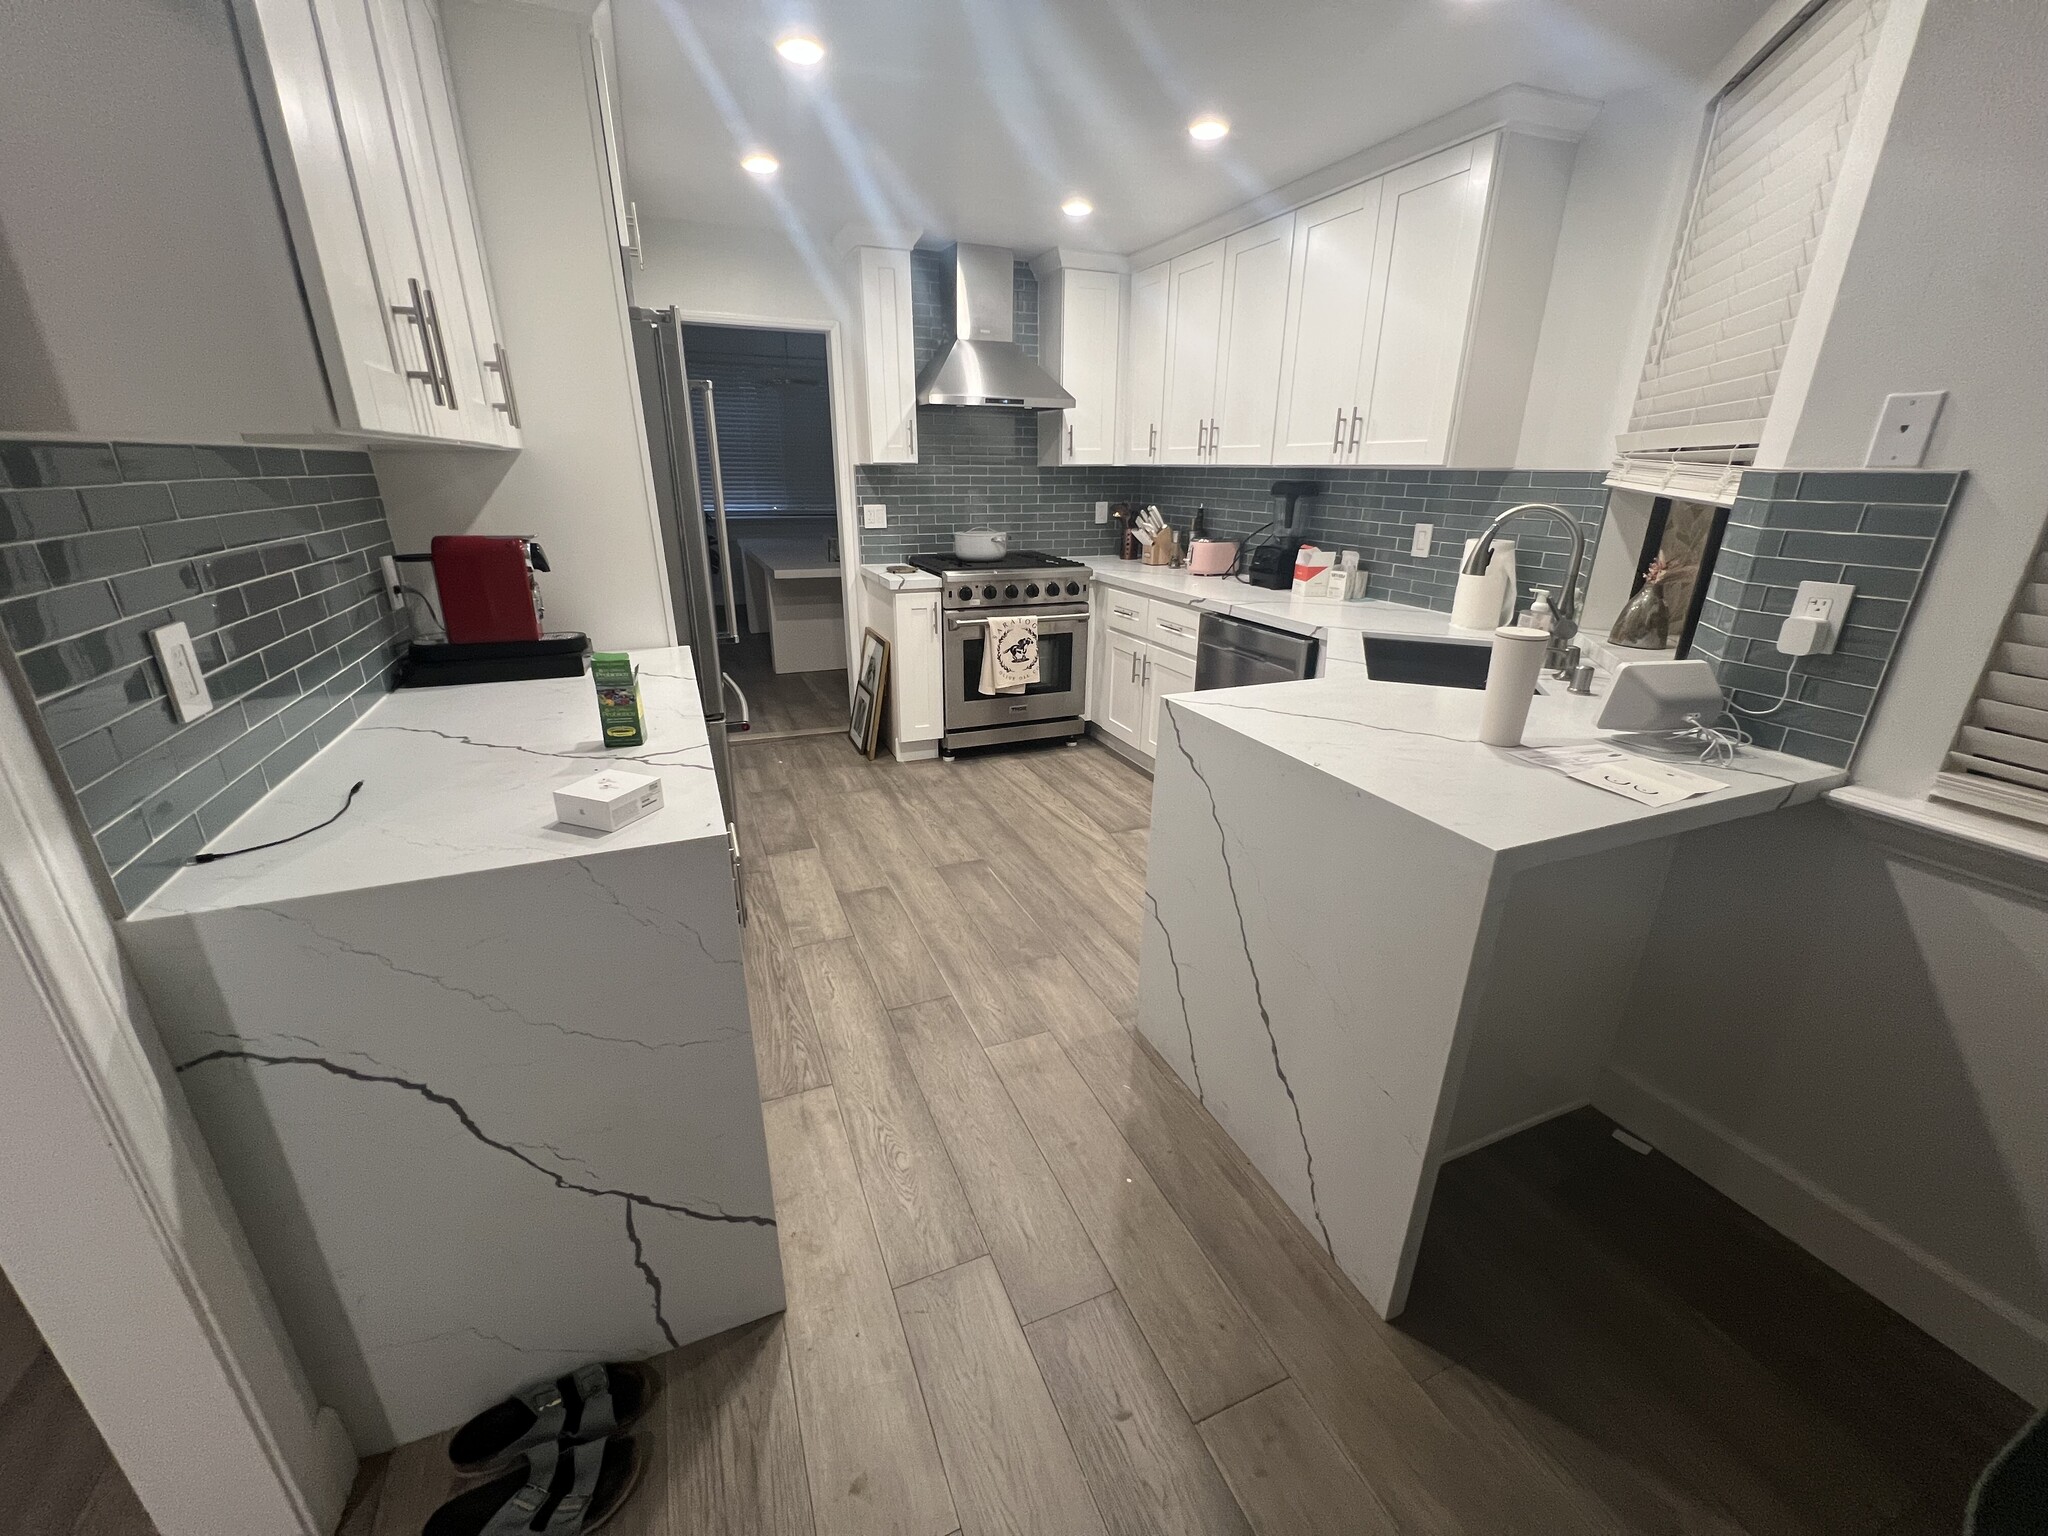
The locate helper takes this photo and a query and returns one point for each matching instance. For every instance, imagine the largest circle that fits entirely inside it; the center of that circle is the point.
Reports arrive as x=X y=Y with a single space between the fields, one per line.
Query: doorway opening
x=773 y=420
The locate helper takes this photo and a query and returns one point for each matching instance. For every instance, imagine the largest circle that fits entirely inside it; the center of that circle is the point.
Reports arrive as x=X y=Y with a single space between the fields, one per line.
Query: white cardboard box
x=609 y=800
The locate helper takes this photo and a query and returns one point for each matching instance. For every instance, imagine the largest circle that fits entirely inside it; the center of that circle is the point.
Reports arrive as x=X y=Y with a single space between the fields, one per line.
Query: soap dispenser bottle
x=1541 y=615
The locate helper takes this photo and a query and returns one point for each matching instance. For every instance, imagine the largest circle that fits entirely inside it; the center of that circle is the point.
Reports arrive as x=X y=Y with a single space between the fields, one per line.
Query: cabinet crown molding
x=1523 y=109
x=1063 y=258
x=885 y=237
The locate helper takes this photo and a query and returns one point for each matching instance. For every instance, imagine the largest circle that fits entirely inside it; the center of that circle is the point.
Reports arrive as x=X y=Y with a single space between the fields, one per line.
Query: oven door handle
x=953 y=621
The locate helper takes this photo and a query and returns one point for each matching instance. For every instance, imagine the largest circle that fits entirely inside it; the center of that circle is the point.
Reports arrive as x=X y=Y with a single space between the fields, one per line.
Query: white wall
x=741 y=274
x=1628 y=188
x=525 y=92
x=1848 y=1037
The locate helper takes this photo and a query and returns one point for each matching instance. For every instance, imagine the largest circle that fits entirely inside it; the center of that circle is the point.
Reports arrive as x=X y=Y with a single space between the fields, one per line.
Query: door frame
x=847 y=520
x=115 y=1230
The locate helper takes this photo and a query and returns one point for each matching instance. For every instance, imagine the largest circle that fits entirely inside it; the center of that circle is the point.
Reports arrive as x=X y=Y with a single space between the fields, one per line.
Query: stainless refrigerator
x=674 y=404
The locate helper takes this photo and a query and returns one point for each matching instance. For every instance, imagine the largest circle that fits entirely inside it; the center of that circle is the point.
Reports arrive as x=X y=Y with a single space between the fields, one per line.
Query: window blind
x=2000 y=758
x=1773 y=153
x=774 y=420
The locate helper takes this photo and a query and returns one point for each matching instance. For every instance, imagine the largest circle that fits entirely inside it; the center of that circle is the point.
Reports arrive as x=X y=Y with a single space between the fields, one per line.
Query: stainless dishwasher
x=1233 y=653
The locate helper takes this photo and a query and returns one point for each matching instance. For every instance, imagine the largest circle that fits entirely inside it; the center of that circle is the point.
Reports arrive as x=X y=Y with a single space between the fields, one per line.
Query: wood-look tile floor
x=1033 y=1288
x=57 y=1477
x=785 y=703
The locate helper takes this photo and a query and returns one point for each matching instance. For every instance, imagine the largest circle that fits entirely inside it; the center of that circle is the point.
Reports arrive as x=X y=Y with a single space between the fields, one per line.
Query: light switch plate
x=1425 y=533
x=874 y=514
x=1102 y=511
x=1903 y=427
x=183 y=680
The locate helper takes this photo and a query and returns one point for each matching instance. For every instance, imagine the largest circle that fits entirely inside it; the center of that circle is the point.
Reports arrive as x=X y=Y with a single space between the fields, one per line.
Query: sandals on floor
x=552 y=1490
x=593 y=1403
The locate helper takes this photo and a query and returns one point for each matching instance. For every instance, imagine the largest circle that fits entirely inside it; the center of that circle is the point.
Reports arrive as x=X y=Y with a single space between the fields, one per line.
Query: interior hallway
x=783 y=704
x=1032 y=1287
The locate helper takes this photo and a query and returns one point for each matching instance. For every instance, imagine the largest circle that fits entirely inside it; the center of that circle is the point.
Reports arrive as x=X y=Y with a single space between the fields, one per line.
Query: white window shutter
x=1773 y=153
x=2000 y=758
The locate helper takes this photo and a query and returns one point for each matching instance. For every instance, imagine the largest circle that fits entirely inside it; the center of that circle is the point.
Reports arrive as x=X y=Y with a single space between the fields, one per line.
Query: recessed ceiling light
x=1077 y=207
x=801 y=49
x=760 y=165
x=1208 y=129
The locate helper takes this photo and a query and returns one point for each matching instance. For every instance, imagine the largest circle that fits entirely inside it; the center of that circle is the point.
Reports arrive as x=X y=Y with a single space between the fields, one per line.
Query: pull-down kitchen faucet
x=1566 y=608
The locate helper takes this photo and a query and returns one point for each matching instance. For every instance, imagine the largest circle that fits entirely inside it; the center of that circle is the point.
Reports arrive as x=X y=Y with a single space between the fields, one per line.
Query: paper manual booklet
x=1622 y=773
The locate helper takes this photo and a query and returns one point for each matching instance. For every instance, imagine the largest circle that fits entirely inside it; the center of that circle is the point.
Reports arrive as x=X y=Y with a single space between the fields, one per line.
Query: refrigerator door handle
x=746 y=717
x=732 y=612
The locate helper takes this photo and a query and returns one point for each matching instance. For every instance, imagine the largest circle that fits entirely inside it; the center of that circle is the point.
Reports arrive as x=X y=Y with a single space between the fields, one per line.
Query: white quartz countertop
x=1417 y=748
x=885 y=575
x=1282 y=609
x=457 y=780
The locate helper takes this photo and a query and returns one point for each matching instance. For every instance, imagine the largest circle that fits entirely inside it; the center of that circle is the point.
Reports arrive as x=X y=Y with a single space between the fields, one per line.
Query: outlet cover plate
x=1837 y=596
x=1102 y=511
x=190 y=697
x=874 y=514
x=1419 y=544
x=1903 y=427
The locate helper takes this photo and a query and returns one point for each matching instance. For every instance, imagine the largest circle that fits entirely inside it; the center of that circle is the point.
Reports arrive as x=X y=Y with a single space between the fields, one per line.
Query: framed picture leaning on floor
x=871 y=686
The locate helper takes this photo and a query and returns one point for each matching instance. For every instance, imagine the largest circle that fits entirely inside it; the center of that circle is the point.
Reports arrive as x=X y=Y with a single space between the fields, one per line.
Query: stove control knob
x=967 y=594
x=1032 y=590
x=1073 y=589
x=988 y=592
x=1010 y=590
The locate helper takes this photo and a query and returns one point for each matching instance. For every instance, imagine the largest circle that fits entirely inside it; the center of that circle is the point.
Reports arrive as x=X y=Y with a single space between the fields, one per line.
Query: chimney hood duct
x=983 y=365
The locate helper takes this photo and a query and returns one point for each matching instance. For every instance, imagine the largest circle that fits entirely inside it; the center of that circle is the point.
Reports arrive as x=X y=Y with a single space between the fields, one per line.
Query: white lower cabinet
x=1148 y=653
x=915 y=697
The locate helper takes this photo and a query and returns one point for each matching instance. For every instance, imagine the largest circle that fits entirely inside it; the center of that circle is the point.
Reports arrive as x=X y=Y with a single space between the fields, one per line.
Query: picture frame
x=871 y=687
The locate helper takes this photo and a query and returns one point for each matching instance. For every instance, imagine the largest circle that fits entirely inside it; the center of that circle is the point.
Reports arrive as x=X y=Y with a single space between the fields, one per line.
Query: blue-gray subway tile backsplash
x=1873 y=529
x=268 y=556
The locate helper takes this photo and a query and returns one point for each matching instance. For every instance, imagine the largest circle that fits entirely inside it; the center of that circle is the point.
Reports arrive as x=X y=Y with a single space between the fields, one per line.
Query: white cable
x=1784 y=695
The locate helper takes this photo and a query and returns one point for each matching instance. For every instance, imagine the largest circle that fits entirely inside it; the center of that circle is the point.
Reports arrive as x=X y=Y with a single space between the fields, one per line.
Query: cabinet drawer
x=1123 y=611
x=1173 y=627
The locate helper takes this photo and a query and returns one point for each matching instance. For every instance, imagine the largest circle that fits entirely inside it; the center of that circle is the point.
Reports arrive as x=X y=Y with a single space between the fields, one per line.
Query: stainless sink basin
x=1441 y=663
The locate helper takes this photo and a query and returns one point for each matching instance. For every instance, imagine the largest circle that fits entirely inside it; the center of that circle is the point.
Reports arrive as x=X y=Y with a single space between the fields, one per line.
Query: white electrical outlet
x=392 y=588
x=190 y=697
x=1903 y=427
x=1102 y=511
x=1424 y=534
x=1825 y=602
x=874 y=514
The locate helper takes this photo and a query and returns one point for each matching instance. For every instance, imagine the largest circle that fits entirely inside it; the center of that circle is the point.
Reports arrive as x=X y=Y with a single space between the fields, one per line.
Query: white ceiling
x=975 y=119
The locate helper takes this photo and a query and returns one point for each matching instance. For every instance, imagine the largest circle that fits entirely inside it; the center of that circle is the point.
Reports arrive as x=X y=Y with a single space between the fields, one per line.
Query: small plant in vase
x=1645 y=624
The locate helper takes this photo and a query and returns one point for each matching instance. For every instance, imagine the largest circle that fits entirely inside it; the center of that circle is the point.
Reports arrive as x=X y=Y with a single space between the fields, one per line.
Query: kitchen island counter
x=1372 y=943
x=481 y=1086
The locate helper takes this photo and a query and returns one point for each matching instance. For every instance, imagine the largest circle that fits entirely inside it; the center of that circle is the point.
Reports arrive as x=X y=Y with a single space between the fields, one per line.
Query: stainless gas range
x=1053 y=591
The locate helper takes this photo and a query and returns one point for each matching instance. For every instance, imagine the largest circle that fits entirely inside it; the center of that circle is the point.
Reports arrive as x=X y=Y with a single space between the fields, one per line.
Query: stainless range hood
x=983 y=365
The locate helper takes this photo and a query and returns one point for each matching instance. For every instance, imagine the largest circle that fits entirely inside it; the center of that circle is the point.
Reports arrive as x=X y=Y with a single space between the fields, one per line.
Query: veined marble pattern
x=480 y=1126
x=1371 y=941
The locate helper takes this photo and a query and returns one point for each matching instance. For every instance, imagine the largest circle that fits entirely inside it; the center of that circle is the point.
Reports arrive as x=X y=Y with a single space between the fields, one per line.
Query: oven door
x=1060 y=692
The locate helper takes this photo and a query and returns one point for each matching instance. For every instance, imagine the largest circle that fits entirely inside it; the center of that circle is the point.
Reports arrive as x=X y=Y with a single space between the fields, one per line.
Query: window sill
x=1975 y=844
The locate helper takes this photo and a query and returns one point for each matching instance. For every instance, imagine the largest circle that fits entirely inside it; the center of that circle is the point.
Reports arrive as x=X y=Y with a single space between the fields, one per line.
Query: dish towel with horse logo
x=1009 y=657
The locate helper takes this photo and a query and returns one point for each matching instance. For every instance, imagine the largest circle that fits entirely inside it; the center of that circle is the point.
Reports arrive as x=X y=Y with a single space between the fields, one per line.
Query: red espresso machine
x=491 y=616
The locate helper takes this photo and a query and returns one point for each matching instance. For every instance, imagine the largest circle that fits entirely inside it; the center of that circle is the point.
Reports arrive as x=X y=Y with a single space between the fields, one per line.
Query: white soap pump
x=1541 y=615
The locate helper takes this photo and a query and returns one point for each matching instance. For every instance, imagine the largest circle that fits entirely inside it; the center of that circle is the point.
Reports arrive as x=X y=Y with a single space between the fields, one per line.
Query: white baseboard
x=1988 y=1331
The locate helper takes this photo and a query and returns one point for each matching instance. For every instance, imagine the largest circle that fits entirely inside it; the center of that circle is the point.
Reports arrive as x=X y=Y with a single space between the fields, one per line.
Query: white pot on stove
x=980 y=544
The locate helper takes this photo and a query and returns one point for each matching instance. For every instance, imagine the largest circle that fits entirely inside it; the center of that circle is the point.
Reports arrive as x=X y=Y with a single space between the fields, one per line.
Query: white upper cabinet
x=1080 y=314
x=1393 y=322
x=1248 y=357
x=1321 y=398
x=886 y=429
x=1144 y=381
x=369 y=158
x=1194 y=334
x=1424 y=284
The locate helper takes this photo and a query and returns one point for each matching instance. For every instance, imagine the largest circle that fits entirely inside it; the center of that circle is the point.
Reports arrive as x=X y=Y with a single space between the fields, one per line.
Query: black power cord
x=208 y=858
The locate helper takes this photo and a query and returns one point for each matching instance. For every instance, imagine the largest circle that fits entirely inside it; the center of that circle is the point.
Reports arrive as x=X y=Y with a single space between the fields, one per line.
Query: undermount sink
x=1443 y=663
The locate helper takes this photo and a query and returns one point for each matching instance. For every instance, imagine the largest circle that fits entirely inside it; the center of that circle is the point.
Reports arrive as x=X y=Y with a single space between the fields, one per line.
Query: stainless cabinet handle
x=501 y=365
x=1357 y=422
x=1152 y=440
x=1215 y=438
x=1201 y=438
x=1147 y=678
x=935 y=616
x=416 y=312
x=1070 y=439
x=739 y=877
x=441 y=346
x=1337 y=437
